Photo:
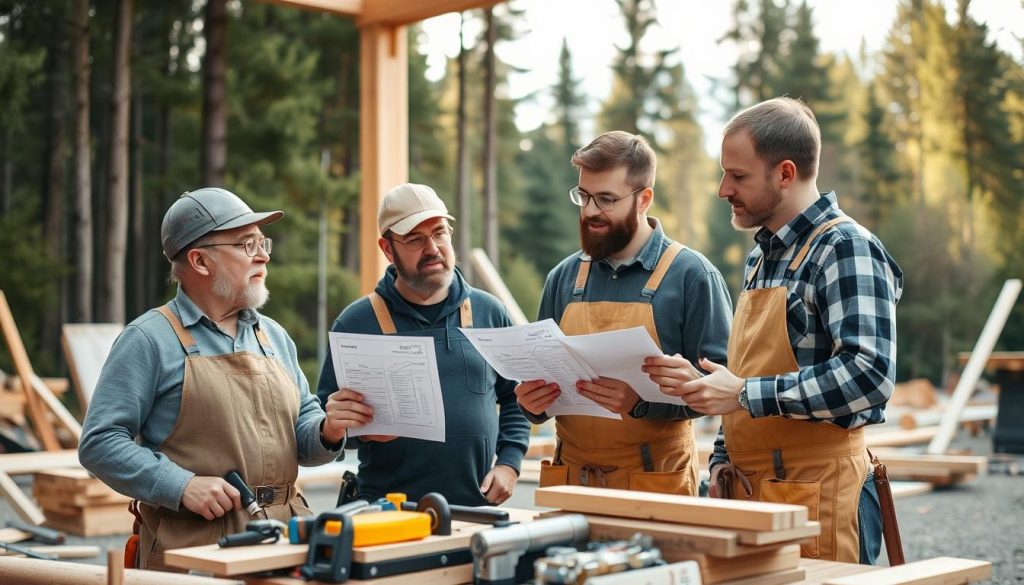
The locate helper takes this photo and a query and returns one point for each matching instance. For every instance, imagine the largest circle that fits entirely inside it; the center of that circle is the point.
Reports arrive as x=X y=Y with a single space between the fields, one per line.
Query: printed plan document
x=537 y=351
x=540 y=351
x=397 y=376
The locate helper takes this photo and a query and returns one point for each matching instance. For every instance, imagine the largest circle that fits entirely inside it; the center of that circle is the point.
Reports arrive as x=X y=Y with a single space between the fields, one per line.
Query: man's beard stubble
x=618 y=237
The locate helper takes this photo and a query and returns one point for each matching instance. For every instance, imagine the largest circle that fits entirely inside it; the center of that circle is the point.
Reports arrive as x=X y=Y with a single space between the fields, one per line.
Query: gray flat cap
x=210 y=209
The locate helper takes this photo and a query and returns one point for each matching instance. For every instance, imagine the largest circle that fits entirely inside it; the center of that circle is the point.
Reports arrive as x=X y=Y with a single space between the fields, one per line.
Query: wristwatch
x=742 y=398
x=640 y=409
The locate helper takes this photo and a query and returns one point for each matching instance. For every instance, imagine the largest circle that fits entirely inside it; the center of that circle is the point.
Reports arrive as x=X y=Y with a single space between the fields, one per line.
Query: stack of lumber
x=79 y=504
x=733 y=541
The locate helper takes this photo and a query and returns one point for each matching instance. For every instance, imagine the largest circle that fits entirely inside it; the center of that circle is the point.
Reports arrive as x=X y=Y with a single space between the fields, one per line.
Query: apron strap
x=661 y=268
x=753 y=272
x=188 y=343
x=799 y=258
x=466 y=314
x=581 y=280
x=380 y=309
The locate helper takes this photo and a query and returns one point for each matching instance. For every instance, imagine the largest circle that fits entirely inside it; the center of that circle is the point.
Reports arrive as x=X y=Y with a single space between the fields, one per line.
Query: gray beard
x=252 y=296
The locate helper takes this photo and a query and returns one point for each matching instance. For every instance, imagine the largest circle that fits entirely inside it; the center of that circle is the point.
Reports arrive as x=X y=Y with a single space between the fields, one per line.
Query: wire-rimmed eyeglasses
x=603 y=201
x=250 y=246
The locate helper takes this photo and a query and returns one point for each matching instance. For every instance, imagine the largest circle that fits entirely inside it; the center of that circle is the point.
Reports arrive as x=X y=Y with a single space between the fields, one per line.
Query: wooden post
x=38 y=572
x=492 y=282
x=36 y=412
x=969 y=378
x=384 y=135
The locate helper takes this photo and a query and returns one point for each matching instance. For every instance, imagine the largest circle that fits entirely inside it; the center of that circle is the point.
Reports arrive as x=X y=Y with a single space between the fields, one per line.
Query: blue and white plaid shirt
x=841 y=316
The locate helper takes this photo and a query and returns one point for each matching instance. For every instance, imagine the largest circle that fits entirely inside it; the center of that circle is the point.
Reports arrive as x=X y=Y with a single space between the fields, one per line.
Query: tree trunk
x=462 y=181
x=55 y=179
x=490 y=145
x=138 y=235
x=112 y=307
x=215 y=123
x=81 y=308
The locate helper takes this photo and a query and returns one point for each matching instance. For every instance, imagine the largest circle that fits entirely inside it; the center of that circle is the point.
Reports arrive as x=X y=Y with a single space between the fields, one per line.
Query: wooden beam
x=64 y=551
x=350 y=8
x=673 y=508
x=456 y=575
x=492 y=282
x=19 y=463
x=383 y=135
x=57 y=408
x=975 y=365
x=22 y=504
x=86 y=346
x=38 y=572
x=402 y=12
x=37 y=414
x=937 y=570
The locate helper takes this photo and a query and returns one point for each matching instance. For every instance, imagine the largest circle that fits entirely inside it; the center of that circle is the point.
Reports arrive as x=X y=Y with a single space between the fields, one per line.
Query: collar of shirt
x=773 y=244
x=190 y=313
x=649 y=253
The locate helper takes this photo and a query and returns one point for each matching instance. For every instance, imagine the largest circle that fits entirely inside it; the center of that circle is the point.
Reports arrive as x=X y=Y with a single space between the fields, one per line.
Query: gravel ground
x=983 y=519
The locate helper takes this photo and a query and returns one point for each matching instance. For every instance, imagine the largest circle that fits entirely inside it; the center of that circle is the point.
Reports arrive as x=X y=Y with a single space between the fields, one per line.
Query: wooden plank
x=975 y=365
x=20 y=463
x=348 y=8
x=720 y=570
x=951 y=463
x=1006 y=361
x=905 y=489
x=668 y=537
x=491 y=281
x=22 y=504
x=38 y=572
x=383 y=135
x=899 y=438
x=673 y=508
x=926 y=418
x=37 y=414
x=773 y=578
x=63 y=551
x=821 y=571
x=13 y=535
x=57 y=408
x=86 y=346
x=402 y=12
x=937 y=571
x=755 y=538
x=95 y=521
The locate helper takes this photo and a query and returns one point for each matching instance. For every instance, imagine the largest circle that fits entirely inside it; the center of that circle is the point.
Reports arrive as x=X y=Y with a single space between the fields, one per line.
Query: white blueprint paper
x=537 y=351
x=620 y=355
x=398 y=377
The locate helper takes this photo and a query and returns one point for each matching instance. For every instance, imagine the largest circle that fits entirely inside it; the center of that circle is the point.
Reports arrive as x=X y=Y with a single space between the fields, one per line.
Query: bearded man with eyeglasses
x=202 y=386
x=422 y=293
x=628 y=274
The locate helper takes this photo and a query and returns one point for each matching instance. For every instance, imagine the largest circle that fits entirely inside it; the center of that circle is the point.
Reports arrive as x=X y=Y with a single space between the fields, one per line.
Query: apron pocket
x=552 y=475
x=180 y=531
x=661 y=482
x=804 y=493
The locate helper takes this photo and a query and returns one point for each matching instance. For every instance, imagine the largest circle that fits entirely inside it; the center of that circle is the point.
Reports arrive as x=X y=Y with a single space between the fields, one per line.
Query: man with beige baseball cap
x=422 y=293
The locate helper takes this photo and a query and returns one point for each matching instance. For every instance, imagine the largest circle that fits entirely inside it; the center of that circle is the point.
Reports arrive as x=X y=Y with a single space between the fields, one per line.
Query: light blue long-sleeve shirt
x=138 y=398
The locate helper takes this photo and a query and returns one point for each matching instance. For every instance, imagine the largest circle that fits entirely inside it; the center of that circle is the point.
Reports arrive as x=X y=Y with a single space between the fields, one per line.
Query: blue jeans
x=869 y=522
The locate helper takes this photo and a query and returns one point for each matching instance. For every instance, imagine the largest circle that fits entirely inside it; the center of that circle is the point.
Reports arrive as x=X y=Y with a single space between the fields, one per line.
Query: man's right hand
x=535 y=396
x=210 y=497
x=346 y=410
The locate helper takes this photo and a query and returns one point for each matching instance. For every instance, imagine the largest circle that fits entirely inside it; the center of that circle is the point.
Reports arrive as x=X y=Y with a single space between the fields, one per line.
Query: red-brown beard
x=618 y=237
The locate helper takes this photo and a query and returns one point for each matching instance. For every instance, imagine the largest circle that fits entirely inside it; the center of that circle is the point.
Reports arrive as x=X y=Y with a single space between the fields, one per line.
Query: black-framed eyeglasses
x=604 y=201
x=441 y=237
x=250 y=246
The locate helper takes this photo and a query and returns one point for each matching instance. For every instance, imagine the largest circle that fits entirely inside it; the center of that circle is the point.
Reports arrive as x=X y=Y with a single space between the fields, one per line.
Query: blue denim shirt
x=692 y=307
x=138 y=397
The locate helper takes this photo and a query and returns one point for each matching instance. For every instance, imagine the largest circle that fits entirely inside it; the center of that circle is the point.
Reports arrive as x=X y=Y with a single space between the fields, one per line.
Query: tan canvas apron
x=819 y=465
x=238 y=411
x=634 y=454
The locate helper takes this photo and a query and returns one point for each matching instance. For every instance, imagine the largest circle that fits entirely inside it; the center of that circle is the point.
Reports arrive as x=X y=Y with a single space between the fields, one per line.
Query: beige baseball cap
x=408 y=205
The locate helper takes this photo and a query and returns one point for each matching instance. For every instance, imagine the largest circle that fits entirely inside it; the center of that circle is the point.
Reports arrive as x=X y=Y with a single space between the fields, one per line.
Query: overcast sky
x=592 y=27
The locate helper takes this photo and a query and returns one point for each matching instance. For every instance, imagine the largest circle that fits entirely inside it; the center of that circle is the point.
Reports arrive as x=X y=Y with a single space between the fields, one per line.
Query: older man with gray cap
x=205 y=385
x=422 y=293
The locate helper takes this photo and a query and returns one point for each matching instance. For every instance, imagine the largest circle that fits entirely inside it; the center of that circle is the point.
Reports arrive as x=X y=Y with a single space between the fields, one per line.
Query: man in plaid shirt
x=811 y=356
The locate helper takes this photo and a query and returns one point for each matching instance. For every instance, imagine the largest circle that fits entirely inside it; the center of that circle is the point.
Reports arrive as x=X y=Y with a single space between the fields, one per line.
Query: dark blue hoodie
x=474 y=428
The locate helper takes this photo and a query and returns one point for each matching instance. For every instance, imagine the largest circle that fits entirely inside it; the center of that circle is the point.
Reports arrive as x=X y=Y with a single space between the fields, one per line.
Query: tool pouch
x=890 y=527
x=721 y=482
x=131 y=548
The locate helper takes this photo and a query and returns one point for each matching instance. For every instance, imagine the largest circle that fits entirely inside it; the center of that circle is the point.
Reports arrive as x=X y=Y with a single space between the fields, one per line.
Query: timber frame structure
x=383 y=102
